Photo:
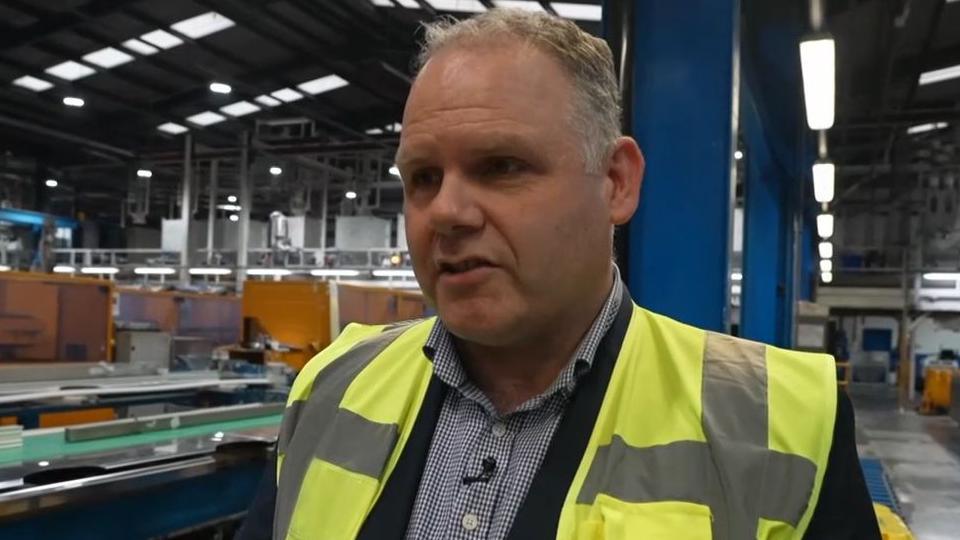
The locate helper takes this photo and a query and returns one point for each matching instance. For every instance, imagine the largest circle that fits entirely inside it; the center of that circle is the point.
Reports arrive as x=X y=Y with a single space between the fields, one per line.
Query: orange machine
x=372 y=304
x=45 y=317
x=937 y=380
x=213 y=317
x=295 y=313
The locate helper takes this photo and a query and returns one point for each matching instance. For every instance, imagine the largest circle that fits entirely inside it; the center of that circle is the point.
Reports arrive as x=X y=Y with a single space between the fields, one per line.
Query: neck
x=511 y=374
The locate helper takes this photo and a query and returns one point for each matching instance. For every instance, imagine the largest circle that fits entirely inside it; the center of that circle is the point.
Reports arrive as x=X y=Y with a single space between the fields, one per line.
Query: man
x=542 y=403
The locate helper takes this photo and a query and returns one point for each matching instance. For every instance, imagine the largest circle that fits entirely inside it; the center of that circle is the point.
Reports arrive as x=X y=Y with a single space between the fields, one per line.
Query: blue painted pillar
x=766 y=233
x=684 y=117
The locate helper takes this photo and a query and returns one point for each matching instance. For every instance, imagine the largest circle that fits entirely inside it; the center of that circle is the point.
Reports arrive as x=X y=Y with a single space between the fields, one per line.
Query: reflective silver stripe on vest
x=734 y=473
x=321 y=429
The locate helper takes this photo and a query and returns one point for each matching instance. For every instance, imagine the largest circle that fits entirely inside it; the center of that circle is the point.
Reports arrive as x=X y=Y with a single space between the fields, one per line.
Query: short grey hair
x=586 y=59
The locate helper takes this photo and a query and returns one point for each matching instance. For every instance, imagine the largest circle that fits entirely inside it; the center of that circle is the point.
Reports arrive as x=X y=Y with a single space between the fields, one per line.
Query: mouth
x=462 y=266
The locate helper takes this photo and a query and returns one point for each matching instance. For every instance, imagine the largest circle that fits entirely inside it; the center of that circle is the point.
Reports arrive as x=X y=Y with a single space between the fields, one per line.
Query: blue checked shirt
x=470 y=429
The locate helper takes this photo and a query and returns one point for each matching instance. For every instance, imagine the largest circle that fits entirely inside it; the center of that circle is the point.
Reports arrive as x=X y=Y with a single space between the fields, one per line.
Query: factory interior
x=198 y=196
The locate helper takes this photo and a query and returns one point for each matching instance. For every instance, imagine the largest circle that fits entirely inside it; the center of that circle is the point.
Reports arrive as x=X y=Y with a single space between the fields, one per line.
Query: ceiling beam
x=58 y=22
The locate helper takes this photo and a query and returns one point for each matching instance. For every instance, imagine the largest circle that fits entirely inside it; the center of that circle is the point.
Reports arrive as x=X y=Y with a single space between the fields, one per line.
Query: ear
x=625 y=174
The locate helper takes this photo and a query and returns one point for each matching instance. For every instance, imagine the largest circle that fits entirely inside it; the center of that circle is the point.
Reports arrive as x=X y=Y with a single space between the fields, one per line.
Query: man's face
x=505 y=227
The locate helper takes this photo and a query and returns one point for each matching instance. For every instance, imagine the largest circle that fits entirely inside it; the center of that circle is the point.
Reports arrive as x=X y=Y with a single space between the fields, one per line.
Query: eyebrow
x=490 y=143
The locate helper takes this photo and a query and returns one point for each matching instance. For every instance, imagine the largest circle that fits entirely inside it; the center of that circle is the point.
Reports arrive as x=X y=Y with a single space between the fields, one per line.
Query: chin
x=481 y=320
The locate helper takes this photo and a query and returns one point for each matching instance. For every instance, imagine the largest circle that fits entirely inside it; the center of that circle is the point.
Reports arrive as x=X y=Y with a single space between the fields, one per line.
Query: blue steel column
x=684 y=111
x=766 y=233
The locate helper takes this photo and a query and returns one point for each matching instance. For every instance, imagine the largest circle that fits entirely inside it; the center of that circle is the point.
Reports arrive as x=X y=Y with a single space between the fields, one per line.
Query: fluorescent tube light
x=923 y=128
x=287 y=95
x=374 y=131
x=268 y=272
x=826 y=277
x=104 y=270
x=350 y=194
x=144 y=173
x=334 y=272
x=210 y=271
x=736 y=276
x=71 y=101
x=51 y=183
x=579 y=12
x=941 y=276
x=229 y=207
x=393 y=273
x=234 y=218
x=938 y=75
x=267 y=100
x=154 y=271
x=519 y=4
x=276 y=171
x=826 y=265
x=231 y=198
x=817 y=62
x=63 y=269
x=220 y=88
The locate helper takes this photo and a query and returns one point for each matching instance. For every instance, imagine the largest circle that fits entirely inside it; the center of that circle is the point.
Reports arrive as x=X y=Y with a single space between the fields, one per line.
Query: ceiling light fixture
x=334 y=272
x=269 y=272
x=70 y=70
x=229 y=207
x=267 y=100
x=220 y=88
x=826 y=250
x=736 y=276
x=923 y=128
x=817 y=62
x=51 y=183
x=202 y=25
x=394 y=170
x=71 y=101
x=171 y=128
x=941 y=276
x=4 y=268
x=144 y=173
x=231 y=198
x=522 y=5
x=63 y=269
x=240 y=108
x=323 y=84
x=276 y=171
x=107 y=57
x=823 y=181
x=826 y=265
x=825 y=225
x=101 y=270
x=350 y=194
x=287 y=95
x=154 y=271
x=206 y=118
x=209 y=271
x=162 y=39
x=32 y=83
x=393 y=273
x=738 y=155
x=234 y=218
x=826 y=277
x=138 y=46
x=938 y=75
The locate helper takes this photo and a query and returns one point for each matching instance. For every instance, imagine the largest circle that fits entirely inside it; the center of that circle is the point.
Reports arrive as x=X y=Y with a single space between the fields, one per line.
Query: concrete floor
x=921 y=455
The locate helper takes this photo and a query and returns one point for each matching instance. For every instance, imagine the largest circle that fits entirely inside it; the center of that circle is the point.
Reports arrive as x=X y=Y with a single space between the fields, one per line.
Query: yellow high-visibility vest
x=694 y=435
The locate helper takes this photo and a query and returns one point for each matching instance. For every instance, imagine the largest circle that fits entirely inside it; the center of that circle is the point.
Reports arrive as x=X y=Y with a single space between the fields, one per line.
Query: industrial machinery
x=35 y=310
x=147 y=477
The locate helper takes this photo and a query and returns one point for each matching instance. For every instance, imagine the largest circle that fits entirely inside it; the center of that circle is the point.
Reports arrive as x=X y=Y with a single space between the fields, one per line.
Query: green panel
x=54 y=445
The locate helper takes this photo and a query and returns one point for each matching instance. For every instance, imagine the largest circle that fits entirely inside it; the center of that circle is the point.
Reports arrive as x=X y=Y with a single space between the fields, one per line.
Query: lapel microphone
x=489 y=465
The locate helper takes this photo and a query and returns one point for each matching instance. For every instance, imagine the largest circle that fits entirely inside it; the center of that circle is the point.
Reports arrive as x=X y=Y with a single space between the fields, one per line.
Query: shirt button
x=499 y=429
x=470 y=521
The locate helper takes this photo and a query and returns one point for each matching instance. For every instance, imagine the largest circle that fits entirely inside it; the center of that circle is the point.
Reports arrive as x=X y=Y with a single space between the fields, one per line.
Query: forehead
x=510 y=78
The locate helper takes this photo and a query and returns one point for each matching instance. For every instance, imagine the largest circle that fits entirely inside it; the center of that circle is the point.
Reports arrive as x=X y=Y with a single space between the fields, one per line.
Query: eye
x=502 y=166
x=425 y=178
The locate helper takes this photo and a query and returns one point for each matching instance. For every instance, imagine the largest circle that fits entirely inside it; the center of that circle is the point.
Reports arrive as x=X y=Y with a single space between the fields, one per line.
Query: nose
x=455 y=210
